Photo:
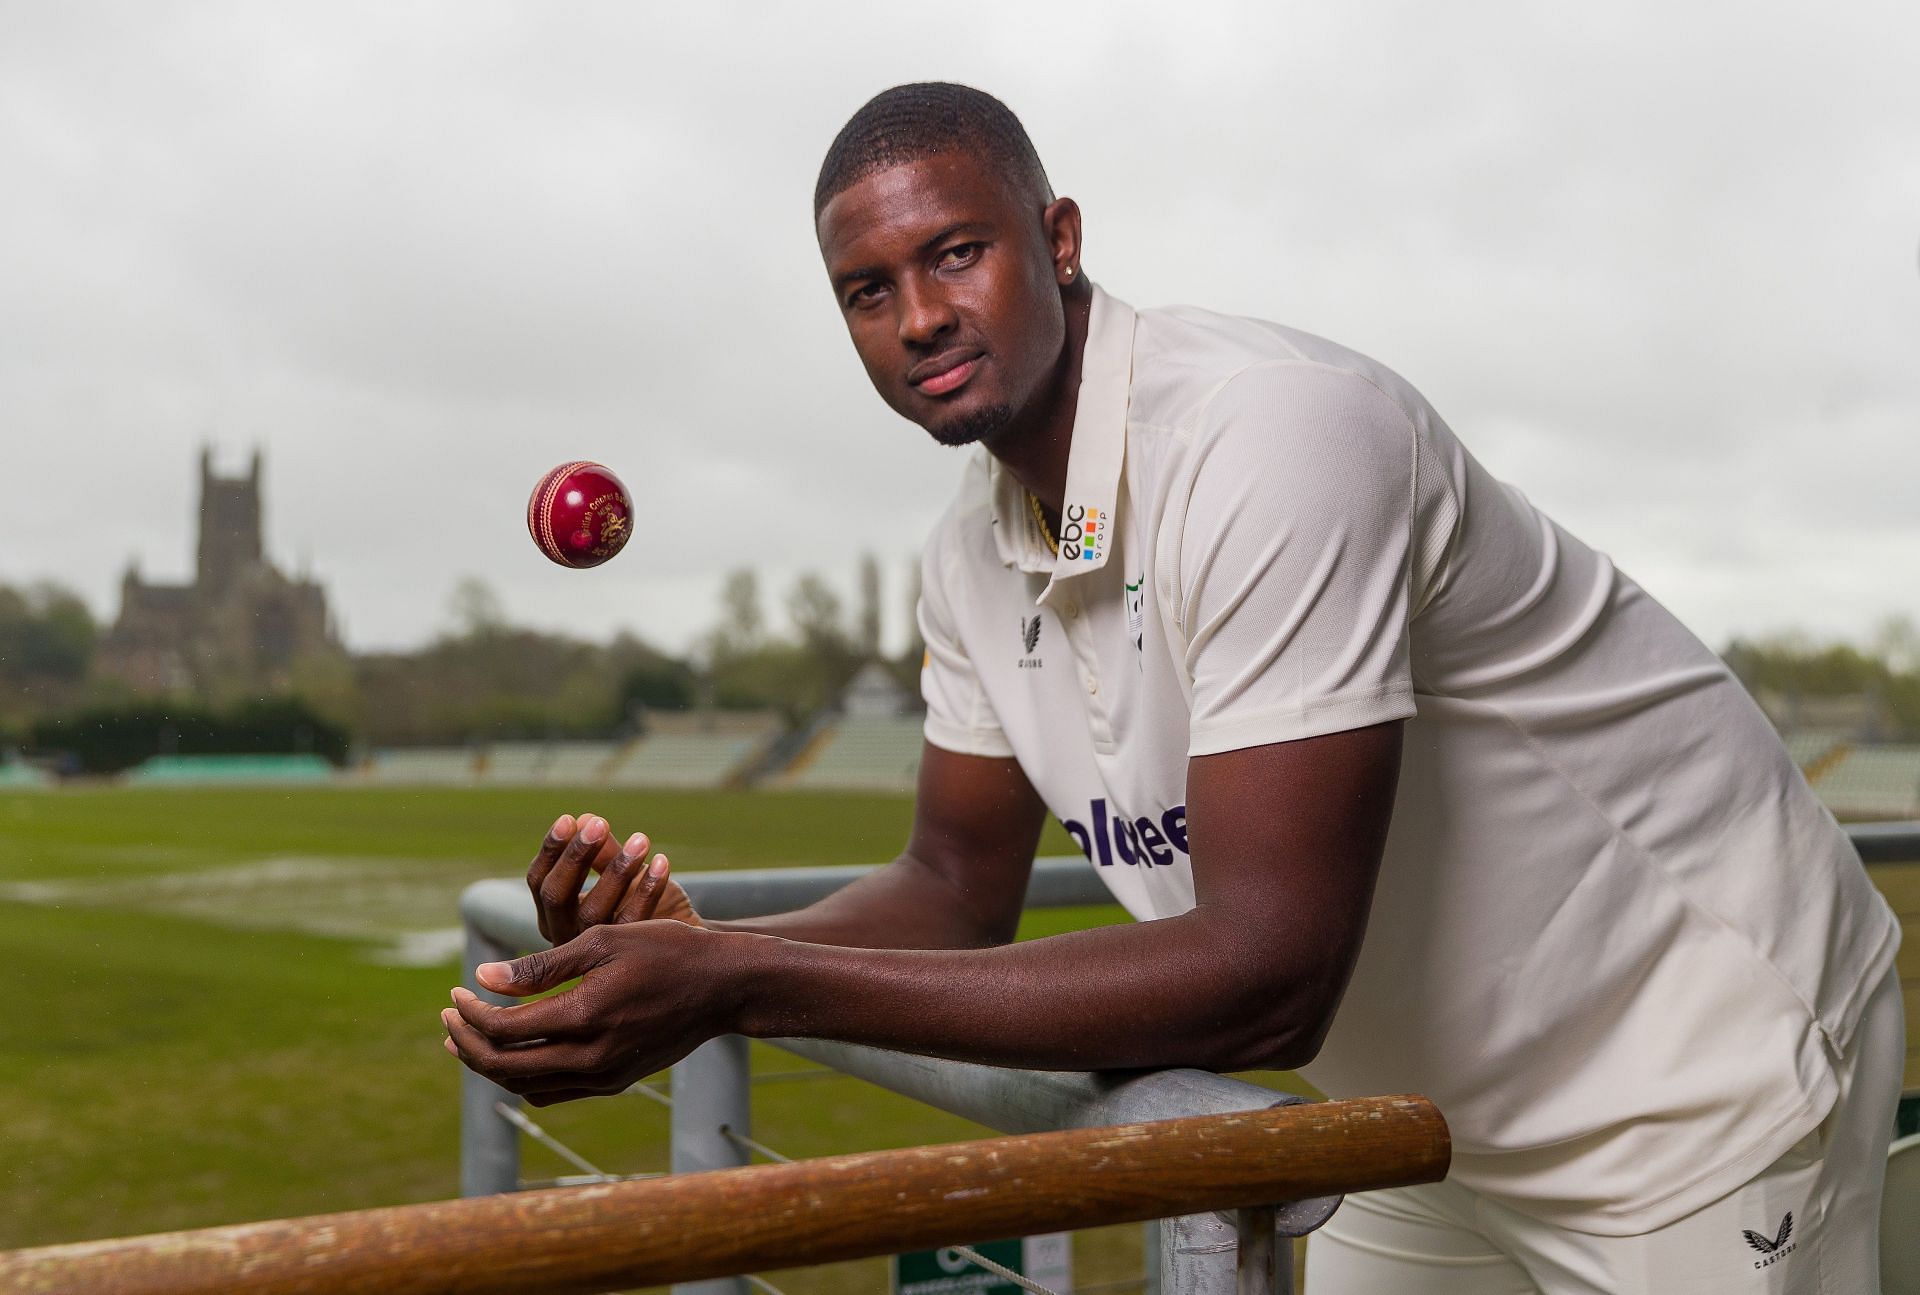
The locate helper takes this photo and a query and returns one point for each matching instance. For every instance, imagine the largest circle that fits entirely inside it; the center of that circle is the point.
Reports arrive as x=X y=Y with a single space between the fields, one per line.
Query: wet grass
x=183 y=1050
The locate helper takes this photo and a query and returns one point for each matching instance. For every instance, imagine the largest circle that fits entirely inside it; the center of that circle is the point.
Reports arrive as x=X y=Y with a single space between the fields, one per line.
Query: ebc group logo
x=1082 y=531
x=1140 y=842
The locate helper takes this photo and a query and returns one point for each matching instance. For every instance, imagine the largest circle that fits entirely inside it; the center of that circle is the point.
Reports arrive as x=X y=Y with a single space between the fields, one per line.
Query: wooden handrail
x=695 y=1226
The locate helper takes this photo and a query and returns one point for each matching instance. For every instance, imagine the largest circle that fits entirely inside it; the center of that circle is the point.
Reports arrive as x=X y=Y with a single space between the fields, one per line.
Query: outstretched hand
x=647 y=996
x=631 y=888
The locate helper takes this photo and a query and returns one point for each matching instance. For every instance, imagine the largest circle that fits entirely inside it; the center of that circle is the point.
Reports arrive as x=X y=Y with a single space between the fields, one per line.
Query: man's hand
x=630 y=888
x=1249 y=977
x=649 y=993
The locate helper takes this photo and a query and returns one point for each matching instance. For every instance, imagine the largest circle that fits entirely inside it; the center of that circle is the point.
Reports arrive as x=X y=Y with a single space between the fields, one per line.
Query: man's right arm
x=960 y=882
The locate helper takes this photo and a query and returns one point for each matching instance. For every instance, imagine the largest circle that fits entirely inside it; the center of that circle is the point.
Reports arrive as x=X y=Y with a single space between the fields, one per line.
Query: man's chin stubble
x=982 y=426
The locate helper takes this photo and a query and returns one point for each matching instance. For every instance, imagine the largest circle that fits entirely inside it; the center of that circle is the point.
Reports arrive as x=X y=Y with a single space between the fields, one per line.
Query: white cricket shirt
x=1616 y=939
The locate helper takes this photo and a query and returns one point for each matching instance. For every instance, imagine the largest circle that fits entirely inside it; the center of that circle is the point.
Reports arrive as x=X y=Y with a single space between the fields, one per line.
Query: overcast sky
x=1655 y=263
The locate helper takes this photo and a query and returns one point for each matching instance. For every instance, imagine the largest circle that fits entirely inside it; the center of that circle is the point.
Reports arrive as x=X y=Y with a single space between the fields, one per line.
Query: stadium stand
x=14 y=775
x=1872 y=782
x=861 y=753
x=1813 y=748
x=577 y=763
x=695 y=750
x=514 y=762
x=429 y=766
x=176 y=769
x=679 y=750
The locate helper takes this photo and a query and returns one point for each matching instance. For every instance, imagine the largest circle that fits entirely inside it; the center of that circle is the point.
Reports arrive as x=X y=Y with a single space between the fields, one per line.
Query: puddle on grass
x=389 y=902
x=421 y=948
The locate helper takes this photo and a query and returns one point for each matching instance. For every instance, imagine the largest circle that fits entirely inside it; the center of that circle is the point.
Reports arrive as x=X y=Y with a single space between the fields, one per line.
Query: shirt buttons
x=1072 y=610
x=1093 y=685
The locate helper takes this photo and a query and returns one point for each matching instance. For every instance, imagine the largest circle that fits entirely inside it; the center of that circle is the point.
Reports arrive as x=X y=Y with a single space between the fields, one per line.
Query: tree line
x=483 y=678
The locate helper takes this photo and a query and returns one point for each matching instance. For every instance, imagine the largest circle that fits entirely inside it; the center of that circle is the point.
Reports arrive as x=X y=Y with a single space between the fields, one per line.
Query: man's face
x=946 y=281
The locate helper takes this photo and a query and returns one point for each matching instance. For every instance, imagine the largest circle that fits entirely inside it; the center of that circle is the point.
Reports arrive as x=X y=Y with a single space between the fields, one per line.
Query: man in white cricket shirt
x=1408 y=787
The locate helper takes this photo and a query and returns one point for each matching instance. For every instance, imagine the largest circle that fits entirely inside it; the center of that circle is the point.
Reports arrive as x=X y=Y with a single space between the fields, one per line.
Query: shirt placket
x=1070 y=602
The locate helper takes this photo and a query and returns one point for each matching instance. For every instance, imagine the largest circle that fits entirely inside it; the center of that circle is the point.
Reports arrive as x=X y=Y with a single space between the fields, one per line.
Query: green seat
x=231 y=769
x=21 y=775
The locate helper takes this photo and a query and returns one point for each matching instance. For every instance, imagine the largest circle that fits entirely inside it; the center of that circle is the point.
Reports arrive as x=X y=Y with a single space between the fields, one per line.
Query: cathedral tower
x=230 y=543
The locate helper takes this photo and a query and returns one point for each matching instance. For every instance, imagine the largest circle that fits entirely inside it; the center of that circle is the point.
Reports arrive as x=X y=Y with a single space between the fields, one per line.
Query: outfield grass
x=205 y=1034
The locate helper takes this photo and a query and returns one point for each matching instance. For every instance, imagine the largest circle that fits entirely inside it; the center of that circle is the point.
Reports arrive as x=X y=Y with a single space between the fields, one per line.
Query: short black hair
x=911 y=122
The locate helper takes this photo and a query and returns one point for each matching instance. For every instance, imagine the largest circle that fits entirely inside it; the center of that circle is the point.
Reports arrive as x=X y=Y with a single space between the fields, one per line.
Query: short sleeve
x=1290 y=577
x=959 y=717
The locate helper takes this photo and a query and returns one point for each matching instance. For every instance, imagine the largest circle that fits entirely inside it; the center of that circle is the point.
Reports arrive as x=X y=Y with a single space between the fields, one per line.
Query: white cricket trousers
x=1441 y=1239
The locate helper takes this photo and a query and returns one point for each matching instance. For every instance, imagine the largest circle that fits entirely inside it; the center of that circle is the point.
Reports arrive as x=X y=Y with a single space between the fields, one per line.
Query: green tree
x=742 y=623
x=815 y=611
x=1789 y=667
x=475 y=608
x=869 y=636
x=47 y=639
x=46 y=633
x=906 y=667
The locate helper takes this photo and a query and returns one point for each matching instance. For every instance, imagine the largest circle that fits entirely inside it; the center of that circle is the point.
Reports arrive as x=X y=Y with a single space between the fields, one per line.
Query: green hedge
x=108 y=740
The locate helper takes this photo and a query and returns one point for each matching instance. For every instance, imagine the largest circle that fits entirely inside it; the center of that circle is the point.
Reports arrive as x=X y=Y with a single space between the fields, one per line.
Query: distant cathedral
x=239 y=627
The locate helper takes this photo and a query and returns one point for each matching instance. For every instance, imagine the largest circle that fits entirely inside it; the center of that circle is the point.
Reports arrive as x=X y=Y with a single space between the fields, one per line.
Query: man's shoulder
x=1184 y=356
x=963 y=530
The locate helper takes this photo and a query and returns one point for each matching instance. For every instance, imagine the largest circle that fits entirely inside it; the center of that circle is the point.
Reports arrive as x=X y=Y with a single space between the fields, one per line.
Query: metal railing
x=1886 y=842
x=711 y=1088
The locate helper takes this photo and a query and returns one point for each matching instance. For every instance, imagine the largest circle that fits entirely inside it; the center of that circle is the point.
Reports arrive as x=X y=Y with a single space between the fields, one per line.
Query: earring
x=1069 y=271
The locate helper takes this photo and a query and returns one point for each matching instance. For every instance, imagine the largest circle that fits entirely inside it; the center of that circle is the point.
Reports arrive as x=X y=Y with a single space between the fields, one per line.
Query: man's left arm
x=1249 y=977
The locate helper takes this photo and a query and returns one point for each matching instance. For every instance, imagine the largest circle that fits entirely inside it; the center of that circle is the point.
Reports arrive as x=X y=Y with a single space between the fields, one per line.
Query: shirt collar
x=1094 y=459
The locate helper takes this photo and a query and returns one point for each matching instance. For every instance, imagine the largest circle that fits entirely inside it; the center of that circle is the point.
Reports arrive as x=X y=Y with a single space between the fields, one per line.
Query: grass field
x=213 y=1027
x=229 y=1004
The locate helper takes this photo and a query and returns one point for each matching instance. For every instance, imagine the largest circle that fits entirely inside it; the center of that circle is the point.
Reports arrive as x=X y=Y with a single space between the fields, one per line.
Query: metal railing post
x=1257 y=1265
x=711 y=1094
x=1206 y=1254
x=489 y=1146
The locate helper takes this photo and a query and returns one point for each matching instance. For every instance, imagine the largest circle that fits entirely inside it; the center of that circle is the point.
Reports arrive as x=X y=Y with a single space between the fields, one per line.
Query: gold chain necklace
x=1040 y=520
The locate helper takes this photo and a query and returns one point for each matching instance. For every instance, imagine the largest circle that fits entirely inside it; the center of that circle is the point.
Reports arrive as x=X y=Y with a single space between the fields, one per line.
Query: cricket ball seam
x=556 y=479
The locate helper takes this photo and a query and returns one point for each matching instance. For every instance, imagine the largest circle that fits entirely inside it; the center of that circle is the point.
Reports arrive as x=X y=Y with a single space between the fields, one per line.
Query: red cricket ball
x=580 y=515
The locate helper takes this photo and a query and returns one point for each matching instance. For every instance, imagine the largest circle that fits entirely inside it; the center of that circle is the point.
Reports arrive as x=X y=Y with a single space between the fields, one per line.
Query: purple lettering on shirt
x=1175 y=822
x=1153 y=846
x=1100 y=833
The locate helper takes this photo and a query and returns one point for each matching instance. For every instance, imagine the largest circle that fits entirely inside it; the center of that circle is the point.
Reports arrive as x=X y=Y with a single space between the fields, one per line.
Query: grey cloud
x=1654 y=263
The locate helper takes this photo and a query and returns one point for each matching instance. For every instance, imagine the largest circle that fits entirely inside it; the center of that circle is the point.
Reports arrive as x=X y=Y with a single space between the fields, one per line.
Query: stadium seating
x=177 y=769
x=1810 y=748
x=679 y=750
x=513 y=762
x=864 y=753
x=429 y=766
x=1873 y=782
x=692 y=750
x=14 y=775
x=578 y=763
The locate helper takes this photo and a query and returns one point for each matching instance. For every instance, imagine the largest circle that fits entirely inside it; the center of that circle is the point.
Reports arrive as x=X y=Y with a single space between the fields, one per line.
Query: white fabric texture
x=1806 y=1225
x=1616 y=938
